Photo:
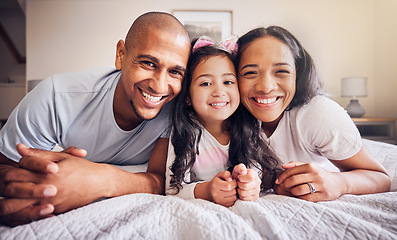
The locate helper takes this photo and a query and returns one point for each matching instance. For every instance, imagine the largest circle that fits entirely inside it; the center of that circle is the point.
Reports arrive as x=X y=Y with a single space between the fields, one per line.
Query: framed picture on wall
x=215 y=24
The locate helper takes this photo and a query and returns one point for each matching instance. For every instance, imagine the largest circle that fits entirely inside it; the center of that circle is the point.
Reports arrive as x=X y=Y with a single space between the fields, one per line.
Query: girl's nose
x=218 y=91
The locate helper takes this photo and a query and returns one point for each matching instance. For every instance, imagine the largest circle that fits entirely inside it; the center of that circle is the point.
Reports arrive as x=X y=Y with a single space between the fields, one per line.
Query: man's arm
x=78 y=182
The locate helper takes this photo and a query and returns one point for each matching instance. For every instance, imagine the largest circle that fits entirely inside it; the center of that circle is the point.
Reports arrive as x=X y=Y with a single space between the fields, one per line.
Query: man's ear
x=120 y=54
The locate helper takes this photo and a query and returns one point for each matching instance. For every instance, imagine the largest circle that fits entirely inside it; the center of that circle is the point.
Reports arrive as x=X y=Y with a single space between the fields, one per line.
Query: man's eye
x=176 y=72
x=148 y=63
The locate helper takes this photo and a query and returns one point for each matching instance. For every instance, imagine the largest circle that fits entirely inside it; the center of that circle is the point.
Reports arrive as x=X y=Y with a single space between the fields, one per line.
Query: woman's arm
x=360 y=174
x=363 y=174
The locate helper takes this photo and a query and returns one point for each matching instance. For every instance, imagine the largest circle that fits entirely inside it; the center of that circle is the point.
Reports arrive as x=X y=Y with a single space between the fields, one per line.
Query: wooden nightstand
x=378 y=129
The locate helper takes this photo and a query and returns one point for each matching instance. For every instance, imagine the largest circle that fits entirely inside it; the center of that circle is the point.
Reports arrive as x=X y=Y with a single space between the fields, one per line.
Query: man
x=117 y=115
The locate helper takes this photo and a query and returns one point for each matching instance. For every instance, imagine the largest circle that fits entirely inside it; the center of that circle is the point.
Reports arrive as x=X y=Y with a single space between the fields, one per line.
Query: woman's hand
x=297 y=177
x=248 y=183
x=223 y=189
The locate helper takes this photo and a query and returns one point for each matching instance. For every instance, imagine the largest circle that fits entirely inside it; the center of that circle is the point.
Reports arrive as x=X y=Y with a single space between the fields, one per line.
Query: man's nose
x=160 y=82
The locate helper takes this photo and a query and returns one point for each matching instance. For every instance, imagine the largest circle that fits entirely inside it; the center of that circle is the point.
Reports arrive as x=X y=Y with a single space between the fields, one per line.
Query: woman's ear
x=120 y=53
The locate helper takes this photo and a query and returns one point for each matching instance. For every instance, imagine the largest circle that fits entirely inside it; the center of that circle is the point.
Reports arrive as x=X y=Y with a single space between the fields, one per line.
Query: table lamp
x=354 y=87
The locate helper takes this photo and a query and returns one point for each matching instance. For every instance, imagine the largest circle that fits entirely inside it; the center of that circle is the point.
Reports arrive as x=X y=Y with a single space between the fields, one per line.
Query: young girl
x=206 y=135
x=279 y=86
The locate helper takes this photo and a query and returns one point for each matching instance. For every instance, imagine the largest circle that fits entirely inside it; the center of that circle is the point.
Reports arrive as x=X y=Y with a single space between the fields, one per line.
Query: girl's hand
x=248 y=182
x=223 y=189
x=294 y=182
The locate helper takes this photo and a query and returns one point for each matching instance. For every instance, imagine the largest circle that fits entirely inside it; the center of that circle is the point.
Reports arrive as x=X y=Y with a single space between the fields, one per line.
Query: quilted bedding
x=146 y=216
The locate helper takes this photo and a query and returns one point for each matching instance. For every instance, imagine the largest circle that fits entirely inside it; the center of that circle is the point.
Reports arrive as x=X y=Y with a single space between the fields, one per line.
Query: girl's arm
x=360 y=174
x=248 y=183
x=221 y=189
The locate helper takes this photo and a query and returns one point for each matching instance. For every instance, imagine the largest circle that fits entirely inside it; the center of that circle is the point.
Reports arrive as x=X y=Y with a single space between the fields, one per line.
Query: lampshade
x=354 y=87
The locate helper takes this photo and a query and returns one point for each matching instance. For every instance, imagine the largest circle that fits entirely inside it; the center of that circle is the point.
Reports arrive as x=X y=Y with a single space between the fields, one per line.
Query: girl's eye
x=205 y=84
x=228 y=82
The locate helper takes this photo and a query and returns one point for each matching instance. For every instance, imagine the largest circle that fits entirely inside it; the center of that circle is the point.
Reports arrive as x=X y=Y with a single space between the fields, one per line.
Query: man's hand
x=45 y=164
x=78 y=181
x=248 y=183
x=223 y=189
x=22 y=190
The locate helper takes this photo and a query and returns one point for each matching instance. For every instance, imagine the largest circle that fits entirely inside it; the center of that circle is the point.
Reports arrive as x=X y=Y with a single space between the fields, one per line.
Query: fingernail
x=45 y=211
x=52 y=168
x=277 y=181
x=50 y=191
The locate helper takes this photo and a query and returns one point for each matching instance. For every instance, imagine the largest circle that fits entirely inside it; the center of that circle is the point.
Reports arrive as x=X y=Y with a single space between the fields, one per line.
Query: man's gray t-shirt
x=76 y=109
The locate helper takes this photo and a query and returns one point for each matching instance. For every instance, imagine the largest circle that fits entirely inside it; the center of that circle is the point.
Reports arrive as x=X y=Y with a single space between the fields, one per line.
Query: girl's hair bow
x=229 y=45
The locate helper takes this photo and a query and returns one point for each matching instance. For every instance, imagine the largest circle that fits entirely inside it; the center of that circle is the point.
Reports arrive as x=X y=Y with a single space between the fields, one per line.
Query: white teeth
x=218 y=104
x=266 y=101
x=150 y=97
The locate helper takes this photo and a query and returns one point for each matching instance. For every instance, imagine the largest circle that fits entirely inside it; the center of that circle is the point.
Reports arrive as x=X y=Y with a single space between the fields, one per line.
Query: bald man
x=116 y=114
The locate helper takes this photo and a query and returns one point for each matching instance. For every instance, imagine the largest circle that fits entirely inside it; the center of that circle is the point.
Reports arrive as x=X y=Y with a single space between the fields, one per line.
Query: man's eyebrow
x=180 y=68
x=153 y=59
x=156 y=60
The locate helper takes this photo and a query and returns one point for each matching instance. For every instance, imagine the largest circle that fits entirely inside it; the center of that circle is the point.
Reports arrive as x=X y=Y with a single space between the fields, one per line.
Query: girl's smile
x=214 y=91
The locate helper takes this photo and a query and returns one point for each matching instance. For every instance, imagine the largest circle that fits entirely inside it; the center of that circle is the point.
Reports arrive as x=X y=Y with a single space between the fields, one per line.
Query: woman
x=279 y=86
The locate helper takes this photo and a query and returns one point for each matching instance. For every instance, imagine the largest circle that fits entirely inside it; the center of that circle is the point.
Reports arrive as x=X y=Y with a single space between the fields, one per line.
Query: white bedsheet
x=146 y=216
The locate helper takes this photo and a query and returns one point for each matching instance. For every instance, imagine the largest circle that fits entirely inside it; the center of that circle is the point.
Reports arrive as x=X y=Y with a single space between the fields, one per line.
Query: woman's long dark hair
x=246 y=146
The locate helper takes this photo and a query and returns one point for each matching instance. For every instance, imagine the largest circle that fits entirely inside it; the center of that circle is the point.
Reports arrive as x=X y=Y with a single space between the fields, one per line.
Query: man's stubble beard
x=138 y=115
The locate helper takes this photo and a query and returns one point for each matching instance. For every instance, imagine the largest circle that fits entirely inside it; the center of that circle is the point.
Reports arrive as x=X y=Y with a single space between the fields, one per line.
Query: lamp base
x=354 y=109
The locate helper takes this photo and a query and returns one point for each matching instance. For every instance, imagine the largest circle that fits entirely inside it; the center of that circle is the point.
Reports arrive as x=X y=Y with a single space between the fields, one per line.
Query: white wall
x=385 y=81
x=68 y=35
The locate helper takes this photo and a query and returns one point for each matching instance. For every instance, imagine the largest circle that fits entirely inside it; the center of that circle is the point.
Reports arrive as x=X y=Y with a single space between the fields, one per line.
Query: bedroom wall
x=64 y=35
x=386 y=57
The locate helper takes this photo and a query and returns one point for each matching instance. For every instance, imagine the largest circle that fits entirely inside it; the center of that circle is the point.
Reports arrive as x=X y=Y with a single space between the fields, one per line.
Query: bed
x=146 y=216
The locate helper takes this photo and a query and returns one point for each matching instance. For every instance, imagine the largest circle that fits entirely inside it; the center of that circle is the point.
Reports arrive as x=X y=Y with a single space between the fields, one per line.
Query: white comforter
x=146 y=216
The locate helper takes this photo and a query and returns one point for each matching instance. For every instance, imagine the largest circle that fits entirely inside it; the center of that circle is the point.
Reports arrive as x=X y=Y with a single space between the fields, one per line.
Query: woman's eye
x=250 y=74
x=283 y=72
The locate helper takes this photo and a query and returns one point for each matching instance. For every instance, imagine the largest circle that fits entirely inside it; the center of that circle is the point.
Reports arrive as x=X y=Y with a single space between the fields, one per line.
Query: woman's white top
x=316 y=133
